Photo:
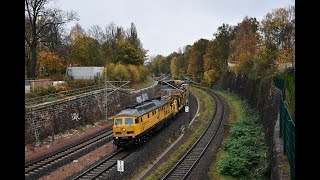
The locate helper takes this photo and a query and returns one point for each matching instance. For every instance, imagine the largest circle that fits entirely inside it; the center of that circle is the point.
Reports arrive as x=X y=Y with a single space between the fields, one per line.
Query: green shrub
x=41 y=92
x=246 y=149
x=234 y=166
x=144 y=72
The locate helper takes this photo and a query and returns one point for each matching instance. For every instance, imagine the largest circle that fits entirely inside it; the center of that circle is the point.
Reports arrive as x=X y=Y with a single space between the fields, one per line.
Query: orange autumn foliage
x=50 y=61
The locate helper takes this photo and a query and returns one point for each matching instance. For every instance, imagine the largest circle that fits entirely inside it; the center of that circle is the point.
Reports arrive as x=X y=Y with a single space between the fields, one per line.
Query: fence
x=264 y=98
x=287 y=128
x=40 y=83
x=63 y=94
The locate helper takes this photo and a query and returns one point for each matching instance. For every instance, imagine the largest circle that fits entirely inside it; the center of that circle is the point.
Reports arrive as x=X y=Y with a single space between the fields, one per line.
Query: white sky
x=164 y=26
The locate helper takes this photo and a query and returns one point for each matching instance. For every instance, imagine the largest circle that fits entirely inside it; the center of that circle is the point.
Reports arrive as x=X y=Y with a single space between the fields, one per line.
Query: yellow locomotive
x=134 y=124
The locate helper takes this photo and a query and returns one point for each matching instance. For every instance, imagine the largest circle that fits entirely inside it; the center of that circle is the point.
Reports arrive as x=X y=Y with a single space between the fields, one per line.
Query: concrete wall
x=54 y=118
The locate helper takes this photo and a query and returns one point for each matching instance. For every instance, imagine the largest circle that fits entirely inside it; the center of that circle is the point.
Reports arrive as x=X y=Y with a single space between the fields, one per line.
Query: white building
x=84 y=72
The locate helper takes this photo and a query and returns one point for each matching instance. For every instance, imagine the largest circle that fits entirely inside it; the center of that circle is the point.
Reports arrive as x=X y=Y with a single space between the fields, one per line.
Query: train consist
x=136 y=123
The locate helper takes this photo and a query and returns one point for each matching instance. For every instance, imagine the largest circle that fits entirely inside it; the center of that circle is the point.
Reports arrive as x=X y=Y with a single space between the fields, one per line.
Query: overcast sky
x=164 y=26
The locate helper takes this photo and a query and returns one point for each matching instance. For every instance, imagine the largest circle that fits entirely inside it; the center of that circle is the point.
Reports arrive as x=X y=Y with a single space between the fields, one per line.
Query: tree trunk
x=33 y=60
x=33 y=53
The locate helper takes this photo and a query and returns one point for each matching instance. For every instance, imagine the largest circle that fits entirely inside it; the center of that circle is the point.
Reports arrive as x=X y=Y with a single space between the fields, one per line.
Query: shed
x=39 y=83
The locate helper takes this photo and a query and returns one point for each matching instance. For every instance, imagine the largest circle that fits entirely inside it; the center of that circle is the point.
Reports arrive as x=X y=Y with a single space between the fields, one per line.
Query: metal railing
x=287 y=127
x=61 y=95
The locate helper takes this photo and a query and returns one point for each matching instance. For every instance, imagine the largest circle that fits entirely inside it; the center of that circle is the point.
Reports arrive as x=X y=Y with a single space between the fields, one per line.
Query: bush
x=246 y=149
x=41 y=92
x=134 y=73
x=110 y=71
x=144 y=72
x=121 y=73
x=62 y=87
x=234 y=166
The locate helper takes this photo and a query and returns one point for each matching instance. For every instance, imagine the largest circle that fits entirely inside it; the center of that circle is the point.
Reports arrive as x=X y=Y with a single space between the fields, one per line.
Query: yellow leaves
x=62 y=87
x=134 y=72
x=211 y=76
x=121 y=72
x=173 y=67
x=49 y=61
x=285 y=56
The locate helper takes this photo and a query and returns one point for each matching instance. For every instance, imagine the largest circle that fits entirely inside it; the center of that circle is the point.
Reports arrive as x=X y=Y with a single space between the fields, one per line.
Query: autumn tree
x=85 y=50
x=214 y=62
x=160 y=65
x=278 y=28
x=38 y=20
x=134 y=40
x=223 y=37
x=245 y=44
x=173 y=67
x=123 y=46
x=49 y=63
x=126 y=53
x=195 y=61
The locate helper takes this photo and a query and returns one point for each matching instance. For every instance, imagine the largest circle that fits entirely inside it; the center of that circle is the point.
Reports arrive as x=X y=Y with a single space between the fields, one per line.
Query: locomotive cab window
x=136 y=121
x=129 y=120
x=118 y=121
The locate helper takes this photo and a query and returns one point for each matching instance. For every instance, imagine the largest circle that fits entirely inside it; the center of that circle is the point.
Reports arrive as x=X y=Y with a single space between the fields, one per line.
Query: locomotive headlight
x=123 y=129
x=116 y=137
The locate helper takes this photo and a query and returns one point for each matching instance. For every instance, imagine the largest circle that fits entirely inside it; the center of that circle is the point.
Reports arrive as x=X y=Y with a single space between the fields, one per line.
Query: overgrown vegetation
x=290 y=92
x=122 y=72
x=205 y=113
x=244 y=151
x=41 y=92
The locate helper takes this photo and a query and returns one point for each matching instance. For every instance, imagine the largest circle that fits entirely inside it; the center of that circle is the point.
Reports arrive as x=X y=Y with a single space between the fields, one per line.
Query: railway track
x=104 y=166
x=183 y=168
x=45 y=164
